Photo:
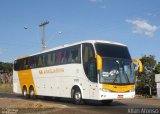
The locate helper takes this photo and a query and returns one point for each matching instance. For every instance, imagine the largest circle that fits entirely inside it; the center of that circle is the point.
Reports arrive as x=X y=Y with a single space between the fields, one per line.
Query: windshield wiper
x=116 y=78
x=126 y=77
x=118 y=74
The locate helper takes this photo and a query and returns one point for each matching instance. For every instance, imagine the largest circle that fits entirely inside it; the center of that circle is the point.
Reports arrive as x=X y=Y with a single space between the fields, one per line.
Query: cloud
x=143 y=27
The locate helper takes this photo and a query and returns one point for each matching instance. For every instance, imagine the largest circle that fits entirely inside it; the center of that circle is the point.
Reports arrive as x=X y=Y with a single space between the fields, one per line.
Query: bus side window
x=64 y=57
x=53 y=58
x=74 y=54
x=40 y=61
x=79 y=54
x=58 y=57
x=15 y=65
x=35 y=61
x=49 y=62
x=69 y=56
x=30 y=59
x=20 y=64
x=86 y=54
x=25 y=64
x=89 y=62
x=32 y=62
x=45 y=59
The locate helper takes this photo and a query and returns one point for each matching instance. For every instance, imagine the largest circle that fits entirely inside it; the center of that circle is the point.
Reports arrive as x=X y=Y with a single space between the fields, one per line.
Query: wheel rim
x=31 y=93
x=77 y=96
x=24 y=92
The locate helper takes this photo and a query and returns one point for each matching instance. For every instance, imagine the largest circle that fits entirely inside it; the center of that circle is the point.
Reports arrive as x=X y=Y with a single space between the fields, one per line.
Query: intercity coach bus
x=94 y=69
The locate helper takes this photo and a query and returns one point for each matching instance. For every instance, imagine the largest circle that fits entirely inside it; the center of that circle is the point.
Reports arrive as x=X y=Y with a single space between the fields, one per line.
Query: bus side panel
x=74 y=76
x=46 y=81
x=16 y=83
x=49 y=82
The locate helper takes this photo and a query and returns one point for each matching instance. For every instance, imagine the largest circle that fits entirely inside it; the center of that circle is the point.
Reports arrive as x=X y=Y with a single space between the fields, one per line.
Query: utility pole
x=42 y=26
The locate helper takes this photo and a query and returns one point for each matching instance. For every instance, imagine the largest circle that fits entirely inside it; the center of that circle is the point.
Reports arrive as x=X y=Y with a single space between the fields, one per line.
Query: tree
x=157 y=69
x=6 y=67
x=146 y=83
x=6 y=72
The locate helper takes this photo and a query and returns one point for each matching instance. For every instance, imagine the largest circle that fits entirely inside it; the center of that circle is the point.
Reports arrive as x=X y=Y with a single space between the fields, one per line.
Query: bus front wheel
x=77 y=96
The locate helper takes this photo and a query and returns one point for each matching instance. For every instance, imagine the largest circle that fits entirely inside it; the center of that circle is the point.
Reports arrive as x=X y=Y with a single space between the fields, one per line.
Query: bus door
x=89 y=64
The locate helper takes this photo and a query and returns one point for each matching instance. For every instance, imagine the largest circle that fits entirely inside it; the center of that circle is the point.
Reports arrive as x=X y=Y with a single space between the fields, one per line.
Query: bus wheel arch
x=32 y=92
x=76 y=95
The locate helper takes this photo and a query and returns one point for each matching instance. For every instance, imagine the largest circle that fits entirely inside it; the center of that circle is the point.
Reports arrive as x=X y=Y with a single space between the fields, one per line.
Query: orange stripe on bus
x=26 y=78
x=118 y=88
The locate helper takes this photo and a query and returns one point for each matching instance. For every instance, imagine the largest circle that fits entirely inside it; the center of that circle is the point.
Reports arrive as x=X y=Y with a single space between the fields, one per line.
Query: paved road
x=93 y=107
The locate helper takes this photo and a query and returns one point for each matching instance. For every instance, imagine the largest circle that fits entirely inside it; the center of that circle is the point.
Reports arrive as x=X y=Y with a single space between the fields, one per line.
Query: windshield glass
x=117 y=67
x=112 y=50
x=117 y=71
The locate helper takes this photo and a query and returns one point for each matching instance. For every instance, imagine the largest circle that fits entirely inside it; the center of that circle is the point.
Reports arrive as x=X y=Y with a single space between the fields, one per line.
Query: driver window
x=89 y=62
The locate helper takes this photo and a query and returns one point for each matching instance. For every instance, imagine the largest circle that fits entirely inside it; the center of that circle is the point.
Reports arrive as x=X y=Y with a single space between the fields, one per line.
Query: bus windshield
x=117 y=65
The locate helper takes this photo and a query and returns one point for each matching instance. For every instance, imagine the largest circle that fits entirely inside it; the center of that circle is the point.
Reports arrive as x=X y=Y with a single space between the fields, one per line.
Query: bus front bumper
x=104 y=95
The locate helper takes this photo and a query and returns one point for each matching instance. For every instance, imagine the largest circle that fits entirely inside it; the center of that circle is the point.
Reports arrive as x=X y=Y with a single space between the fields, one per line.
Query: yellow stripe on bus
x=21 y=57
x=26 y=78
x=118 y=88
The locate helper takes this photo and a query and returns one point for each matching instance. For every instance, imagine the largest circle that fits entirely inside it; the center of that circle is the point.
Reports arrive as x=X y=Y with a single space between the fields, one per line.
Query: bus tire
x=107 y=102
x=32 y=93
x=24 y=92
x=77 y=96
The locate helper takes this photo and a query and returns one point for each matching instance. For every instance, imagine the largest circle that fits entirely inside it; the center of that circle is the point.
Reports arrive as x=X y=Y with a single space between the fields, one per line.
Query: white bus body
x=60 y=79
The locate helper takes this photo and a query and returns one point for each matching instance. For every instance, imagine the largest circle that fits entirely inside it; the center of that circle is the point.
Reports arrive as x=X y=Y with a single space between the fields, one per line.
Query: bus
x=87 y=70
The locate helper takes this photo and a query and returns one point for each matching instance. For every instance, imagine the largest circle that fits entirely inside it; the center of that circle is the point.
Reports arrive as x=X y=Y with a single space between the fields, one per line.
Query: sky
x=135 y=23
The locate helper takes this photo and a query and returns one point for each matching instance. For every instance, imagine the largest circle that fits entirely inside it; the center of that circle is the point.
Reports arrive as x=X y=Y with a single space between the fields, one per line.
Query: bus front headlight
x=132 y=90
x=105 y=90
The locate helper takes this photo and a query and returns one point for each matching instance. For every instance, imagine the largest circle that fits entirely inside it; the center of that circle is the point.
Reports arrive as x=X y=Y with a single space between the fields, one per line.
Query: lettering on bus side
x=50 y=71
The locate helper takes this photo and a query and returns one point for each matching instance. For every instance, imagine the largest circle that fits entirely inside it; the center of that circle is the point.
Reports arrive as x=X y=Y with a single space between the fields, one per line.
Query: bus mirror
x=99 y=62
x=140 y=68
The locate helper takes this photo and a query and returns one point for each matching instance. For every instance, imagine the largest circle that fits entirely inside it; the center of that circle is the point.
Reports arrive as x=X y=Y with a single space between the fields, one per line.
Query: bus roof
x=68 y=45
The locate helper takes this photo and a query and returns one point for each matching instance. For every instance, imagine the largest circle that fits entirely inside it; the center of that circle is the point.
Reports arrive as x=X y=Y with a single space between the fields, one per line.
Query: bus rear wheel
x=32 y=93
x=24 y=92
x=77 y=97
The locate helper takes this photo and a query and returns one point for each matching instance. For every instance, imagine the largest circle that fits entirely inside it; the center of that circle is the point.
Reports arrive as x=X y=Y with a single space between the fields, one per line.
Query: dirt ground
x=26 y=103
x=15 y=104
x=26 y=106
x=6 y=88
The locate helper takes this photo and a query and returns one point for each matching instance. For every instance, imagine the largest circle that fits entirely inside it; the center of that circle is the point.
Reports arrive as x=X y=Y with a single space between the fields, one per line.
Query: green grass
x=6 y=88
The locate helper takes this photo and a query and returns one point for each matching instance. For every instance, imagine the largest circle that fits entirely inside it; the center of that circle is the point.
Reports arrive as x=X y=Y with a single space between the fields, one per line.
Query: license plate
x=120 y=96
